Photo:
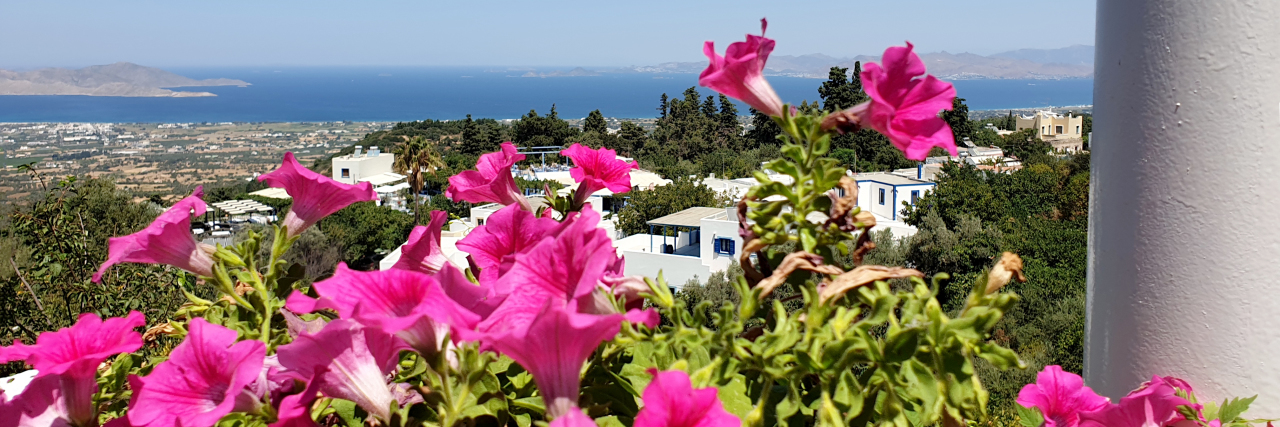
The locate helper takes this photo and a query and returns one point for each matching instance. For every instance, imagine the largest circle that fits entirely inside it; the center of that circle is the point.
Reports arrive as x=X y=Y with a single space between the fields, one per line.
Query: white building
x=687 y=245
x=351 y=168
x=887 y=194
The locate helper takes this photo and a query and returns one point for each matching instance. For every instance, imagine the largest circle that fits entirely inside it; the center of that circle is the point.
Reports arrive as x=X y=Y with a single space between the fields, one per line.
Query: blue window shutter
x=732 y=246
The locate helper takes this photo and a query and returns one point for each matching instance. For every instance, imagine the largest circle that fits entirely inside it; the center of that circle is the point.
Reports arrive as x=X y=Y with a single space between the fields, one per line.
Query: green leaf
x=734 y=396
x=346 y=411
x=486 y=398
x=530 y=403
x=1000 y=357
x=1029 y=417
x=925 y=389
x=609 y=421
x=1232 y=409
x=901 y=346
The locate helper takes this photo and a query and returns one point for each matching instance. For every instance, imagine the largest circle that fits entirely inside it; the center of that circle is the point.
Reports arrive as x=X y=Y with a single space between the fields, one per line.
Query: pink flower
x=295 y=409
x=508 y=233
x=568 y=262
x=671 y=401
x=596 y=169
x=166 y=241
x=574 y=418
x=315 y=196
x=553 y=348
x=407 y=304
x=422 y=253
x=41 y=404
x=73 y=355
x=491 y=181
x=350 y=362
x=739 y=74
x=200 y=382
x=1152 y=406
x=905 y=108
x=1060 y=396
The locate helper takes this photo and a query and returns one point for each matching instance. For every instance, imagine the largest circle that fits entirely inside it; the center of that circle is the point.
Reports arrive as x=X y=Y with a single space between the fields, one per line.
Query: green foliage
x=540 y=131
x=56 y=244
x=366 y=231
x=1025 y=145
x=1038 y=212
x=958 y=118
x=595 y=123
x=842 y=89
x=682 y=193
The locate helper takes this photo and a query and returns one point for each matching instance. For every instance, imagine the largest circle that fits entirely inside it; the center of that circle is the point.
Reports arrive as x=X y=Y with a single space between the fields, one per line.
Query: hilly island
x=119 y=79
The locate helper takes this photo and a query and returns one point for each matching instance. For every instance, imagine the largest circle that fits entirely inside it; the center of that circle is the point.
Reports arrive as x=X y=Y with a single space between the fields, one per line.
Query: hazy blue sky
x=533 y=33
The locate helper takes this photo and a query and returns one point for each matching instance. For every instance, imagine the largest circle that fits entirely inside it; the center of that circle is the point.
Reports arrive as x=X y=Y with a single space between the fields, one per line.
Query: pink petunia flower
x=569 y=261
x=167 y=240
x=553 y=348
x=491 y=181
x=73 y=354
x=41 y=404
x=1152 y=406
x=597 y=169
x=739 y=74
x=295 y=409
x=1060 y=396
x=422 y=253
x=905 y=108
x=200 y=382
x=508 y=233
x=407 y=304
x=574 y=418
x=671 y=401
x=351 y=362
x=315 y=196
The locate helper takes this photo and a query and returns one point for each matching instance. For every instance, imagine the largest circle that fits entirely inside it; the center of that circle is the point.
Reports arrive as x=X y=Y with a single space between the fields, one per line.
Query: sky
x=510 y=33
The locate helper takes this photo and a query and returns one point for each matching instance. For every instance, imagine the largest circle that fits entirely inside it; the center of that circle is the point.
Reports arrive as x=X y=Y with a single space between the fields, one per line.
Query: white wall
x=677 y=269
x=1183 y=237
x=872 y=200
x=361 y=167
x=712 y=229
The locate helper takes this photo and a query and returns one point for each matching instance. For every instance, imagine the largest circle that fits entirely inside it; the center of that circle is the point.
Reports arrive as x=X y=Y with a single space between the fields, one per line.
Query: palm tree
x=413 y=157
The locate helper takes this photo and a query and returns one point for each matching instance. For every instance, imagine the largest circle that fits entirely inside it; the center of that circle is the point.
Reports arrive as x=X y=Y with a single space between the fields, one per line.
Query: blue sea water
x=399 y=94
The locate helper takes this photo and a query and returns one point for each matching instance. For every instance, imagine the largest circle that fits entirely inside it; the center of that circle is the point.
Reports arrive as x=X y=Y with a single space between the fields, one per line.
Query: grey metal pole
x=1184 y=242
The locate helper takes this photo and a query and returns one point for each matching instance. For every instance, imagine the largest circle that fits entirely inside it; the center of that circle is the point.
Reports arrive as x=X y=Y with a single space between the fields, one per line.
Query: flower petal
x=167 y=240
x=315 y=196
x=199 y=383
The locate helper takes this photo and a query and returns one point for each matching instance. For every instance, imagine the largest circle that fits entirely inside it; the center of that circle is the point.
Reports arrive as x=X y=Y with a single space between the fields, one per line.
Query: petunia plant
x=542 y=326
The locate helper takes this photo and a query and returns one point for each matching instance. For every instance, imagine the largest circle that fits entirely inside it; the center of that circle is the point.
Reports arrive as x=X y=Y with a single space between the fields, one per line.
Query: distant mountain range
x=119 y=79
x=1065 y=63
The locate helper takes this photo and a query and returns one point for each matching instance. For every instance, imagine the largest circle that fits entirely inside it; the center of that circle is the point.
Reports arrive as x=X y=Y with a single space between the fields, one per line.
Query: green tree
x=764 y=131
x=958 y=119
x=366 y=232
x=415 y=157
x=631 y=137
x=51 y=245
x=595 y=123
x=837 y=93
x=537 y=131
x=682 y=193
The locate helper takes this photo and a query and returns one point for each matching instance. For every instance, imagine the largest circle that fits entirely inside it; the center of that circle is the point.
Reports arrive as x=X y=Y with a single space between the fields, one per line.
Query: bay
x=296 y=94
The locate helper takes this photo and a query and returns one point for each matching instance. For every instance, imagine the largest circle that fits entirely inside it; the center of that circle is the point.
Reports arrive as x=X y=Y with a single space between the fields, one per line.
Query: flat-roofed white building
x=358 y=165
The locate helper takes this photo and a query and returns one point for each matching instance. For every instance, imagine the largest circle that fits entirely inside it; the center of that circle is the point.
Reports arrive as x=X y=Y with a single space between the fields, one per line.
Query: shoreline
x=984 y=113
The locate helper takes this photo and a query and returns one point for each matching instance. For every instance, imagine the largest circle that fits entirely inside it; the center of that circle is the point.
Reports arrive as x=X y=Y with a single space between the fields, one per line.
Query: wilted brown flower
x=796 y=261
x=863 y=275
x=1009 y=267
x=846 y=121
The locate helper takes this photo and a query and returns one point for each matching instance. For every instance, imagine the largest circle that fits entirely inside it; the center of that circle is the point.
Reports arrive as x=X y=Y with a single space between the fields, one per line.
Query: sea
x=312 y=94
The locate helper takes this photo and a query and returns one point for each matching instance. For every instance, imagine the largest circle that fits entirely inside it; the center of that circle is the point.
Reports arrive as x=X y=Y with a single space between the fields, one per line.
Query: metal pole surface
x=1184 y=237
